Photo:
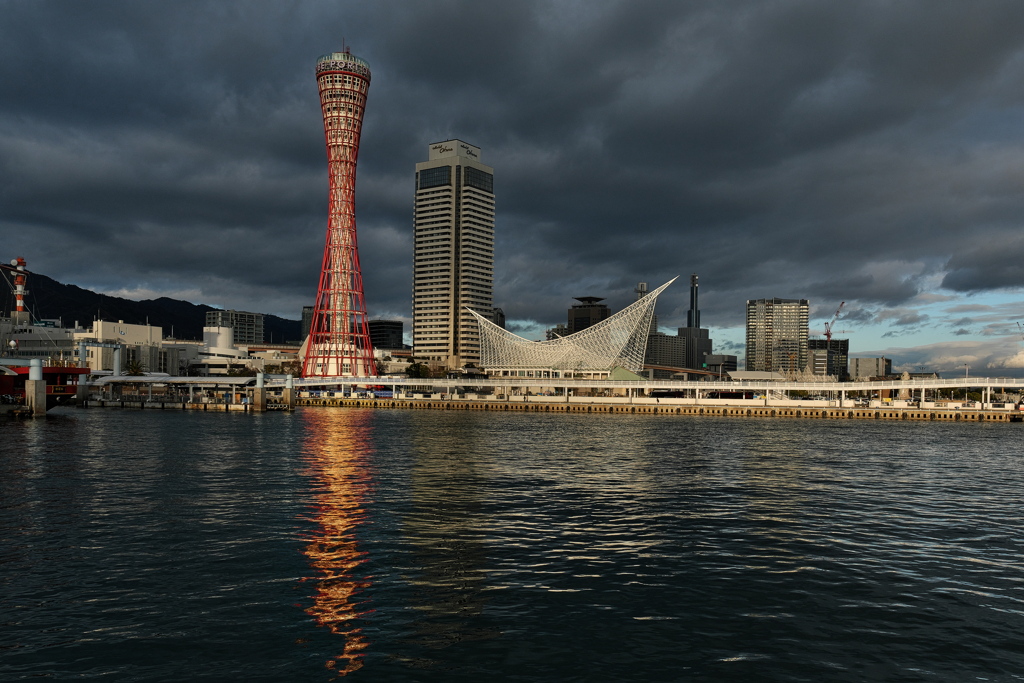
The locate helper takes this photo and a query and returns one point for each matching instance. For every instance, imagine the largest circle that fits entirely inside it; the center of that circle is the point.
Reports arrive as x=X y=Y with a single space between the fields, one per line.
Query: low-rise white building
x=143 y=344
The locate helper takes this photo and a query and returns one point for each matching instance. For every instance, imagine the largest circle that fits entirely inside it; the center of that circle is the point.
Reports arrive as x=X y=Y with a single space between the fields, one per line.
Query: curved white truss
x=617 y=341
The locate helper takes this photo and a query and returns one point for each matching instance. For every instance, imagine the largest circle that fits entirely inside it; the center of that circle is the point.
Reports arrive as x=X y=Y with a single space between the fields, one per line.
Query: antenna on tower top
x=344 y=45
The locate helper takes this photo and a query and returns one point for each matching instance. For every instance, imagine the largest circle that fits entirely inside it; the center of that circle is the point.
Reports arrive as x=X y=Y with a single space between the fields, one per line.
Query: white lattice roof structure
x=618 y=341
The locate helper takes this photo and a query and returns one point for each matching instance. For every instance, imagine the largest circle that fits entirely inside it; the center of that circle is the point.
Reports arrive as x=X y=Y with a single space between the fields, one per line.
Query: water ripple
x=395 y=546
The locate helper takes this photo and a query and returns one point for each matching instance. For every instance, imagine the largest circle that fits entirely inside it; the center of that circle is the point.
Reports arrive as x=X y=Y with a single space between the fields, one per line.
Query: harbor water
x=400 y=545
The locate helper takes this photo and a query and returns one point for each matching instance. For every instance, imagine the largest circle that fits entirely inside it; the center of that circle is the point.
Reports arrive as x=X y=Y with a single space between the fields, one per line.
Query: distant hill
x=48 y=298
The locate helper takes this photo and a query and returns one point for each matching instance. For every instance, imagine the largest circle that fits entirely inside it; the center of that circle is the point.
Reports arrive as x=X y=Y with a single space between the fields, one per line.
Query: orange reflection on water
x=337 y=449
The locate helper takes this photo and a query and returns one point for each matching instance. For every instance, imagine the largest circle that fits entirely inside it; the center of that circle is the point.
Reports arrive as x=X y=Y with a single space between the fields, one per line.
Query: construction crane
x=1021 y=330
x=830 y=323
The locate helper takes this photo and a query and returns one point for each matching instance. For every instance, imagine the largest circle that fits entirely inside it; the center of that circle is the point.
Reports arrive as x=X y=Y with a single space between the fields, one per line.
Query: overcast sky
x=866 y=152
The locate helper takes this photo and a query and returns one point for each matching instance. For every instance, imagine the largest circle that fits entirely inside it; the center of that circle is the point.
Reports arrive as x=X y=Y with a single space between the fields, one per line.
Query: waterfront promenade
x=917 y=399
x=845 y=394
x=568 y=388
x=764 y=407
x=906 y=399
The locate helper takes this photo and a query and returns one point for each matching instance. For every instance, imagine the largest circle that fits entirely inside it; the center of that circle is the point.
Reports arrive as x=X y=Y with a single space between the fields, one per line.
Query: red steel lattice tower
x=339 y=339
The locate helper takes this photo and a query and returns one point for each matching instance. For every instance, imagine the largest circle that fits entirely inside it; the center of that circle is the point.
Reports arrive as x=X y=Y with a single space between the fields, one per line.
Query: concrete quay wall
x=761 y=411
x=176 y=405
x=882 y=413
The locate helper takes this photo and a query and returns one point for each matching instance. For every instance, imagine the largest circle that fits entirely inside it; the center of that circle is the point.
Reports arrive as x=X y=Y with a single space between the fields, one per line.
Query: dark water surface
x=467 y=546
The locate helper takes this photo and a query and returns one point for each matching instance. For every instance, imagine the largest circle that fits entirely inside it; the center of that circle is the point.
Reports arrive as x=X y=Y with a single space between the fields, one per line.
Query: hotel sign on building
x=451 y=148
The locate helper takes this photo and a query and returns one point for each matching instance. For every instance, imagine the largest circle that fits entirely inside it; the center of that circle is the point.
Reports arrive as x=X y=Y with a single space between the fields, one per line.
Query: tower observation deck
x=339 y=338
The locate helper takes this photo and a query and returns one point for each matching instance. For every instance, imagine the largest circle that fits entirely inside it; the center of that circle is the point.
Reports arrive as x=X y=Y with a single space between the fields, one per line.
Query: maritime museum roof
x=617 y=341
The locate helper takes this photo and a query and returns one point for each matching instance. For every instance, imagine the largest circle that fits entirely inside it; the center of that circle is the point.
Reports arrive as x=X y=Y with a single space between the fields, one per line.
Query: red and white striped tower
x=20 y=314
x=339 y=339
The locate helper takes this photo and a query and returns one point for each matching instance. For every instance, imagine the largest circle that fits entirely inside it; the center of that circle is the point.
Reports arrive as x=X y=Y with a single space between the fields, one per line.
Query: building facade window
x=435 y=177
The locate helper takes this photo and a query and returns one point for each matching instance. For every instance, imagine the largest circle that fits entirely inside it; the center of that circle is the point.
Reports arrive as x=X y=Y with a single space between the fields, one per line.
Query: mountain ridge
x=49 y=299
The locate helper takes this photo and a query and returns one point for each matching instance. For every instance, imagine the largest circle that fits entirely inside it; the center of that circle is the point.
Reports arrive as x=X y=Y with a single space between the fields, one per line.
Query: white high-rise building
x=453 y=266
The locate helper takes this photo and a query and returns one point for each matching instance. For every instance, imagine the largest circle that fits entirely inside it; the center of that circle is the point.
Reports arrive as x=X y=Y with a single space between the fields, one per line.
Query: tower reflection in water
x=337 y=451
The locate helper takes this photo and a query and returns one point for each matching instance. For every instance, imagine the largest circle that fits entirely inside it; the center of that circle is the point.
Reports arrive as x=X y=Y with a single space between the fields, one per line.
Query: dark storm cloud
x=991 y=265
x=854 y=152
